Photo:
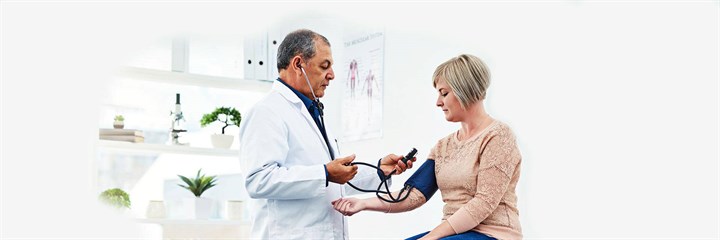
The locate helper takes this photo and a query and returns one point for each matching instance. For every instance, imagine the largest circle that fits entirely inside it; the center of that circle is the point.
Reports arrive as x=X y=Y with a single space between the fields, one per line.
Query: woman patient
x=476 y=168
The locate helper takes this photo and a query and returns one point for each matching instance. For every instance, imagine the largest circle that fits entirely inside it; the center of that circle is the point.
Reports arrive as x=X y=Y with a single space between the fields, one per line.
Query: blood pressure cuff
x=424 y=179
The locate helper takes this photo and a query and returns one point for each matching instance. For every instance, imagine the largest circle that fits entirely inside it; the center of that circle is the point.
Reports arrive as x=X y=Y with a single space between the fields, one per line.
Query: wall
x=615 y=106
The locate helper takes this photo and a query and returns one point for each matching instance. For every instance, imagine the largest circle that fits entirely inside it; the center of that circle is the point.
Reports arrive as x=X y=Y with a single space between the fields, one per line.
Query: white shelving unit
x=201 y=229
x=185 y=79
x=191 y=79
x=165 y=221
x=185 y=228
x=128 y=147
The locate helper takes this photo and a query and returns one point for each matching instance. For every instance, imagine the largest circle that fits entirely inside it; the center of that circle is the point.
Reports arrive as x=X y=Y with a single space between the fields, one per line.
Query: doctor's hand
x=392 y=162
x=348 y=206
x=340 y=171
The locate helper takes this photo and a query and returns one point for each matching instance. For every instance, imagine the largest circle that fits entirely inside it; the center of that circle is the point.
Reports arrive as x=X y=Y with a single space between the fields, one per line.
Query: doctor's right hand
x=340 y=171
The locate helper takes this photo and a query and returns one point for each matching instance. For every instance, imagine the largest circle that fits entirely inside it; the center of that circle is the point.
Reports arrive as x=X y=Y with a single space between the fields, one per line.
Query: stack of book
x=125 y=135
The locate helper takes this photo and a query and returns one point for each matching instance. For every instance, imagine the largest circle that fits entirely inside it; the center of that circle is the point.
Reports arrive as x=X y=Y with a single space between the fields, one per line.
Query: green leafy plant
x=199 y=184
x=115 y=197
x=225 y=115
x=119 y=118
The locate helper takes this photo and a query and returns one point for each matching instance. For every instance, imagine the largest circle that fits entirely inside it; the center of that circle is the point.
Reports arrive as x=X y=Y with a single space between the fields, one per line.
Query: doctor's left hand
x=392 y=162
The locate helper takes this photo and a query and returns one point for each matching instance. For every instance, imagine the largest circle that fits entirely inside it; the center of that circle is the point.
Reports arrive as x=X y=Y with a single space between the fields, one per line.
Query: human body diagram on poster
x=363 y=98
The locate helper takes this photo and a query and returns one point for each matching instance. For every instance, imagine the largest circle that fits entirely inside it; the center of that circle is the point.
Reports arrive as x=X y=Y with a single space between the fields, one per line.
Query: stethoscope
x=383 y=178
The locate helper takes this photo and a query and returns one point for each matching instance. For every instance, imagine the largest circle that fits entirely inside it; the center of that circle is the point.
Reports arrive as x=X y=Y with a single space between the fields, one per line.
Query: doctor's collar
x=306 y=100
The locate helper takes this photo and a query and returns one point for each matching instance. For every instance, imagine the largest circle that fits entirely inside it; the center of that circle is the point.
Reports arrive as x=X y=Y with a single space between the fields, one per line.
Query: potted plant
x=203 y=207
x=228 y=117
x=116 y=198
x=119 y=122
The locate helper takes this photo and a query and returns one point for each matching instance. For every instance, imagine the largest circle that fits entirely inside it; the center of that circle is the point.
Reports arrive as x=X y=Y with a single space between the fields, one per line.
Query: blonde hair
x=468 y=77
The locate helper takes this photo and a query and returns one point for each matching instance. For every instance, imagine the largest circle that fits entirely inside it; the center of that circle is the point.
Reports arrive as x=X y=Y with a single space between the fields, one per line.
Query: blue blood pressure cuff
x=424 y=179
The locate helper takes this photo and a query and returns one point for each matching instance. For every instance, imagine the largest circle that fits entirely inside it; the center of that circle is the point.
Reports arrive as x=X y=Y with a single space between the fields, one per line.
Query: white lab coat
x=283 y=153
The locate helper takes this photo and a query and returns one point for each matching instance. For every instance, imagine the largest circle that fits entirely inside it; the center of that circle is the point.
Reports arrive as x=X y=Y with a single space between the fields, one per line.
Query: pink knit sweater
x=477 y=179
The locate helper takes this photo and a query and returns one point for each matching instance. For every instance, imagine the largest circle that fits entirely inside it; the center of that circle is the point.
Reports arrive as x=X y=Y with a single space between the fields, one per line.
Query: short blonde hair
x=468 y=77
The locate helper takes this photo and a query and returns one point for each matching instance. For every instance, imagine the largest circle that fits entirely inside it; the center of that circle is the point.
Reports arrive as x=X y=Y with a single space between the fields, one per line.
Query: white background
x=615 y=106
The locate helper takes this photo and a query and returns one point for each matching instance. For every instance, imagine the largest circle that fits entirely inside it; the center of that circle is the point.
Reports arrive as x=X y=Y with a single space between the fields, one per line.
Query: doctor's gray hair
x=467 y=76
x=299 y=42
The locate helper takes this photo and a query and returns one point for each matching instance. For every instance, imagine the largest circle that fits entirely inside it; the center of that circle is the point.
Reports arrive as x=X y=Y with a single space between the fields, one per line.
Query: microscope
x=176 y=127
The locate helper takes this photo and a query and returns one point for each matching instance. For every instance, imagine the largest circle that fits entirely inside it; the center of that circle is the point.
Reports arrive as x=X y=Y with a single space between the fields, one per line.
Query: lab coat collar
x=288 y=94
x=306 y=100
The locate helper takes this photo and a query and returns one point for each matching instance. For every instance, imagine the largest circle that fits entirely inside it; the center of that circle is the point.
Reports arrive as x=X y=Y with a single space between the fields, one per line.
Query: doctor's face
x=448 y=102
x=319 y=69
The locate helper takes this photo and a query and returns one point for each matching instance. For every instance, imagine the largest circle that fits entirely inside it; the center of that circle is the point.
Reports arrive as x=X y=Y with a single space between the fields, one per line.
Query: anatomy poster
x=362 y=66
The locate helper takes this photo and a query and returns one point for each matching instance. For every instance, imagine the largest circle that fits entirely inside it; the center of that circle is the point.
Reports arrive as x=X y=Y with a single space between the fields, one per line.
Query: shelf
x=165 y=221
x=197 y=80
x=119 y=146
x=200 y=229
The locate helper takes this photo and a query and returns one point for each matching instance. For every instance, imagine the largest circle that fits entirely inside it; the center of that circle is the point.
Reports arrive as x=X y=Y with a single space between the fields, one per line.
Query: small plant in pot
x=119 y=122
x=227 y=116
x=198 y=185
x=116 y=198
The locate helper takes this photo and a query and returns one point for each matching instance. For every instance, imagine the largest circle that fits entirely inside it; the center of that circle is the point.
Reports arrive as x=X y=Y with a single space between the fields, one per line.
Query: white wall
x=615 y=106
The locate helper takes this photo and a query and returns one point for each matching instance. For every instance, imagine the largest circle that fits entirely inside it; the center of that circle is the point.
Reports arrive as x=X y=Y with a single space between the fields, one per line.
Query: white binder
x=275 y=37
x=261 y=57
x=249 y=57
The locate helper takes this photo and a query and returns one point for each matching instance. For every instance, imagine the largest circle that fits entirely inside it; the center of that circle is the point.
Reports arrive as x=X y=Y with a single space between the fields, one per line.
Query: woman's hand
x=393 y=162
x=349 y=206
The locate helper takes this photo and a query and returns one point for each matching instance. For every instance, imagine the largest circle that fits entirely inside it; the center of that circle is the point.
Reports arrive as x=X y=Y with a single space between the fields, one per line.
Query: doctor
x=291 y=161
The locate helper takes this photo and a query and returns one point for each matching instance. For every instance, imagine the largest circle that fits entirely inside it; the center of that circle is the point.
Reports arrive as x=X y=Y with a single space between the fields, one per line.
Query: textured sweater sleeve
x=415 y=199
x=498 y=162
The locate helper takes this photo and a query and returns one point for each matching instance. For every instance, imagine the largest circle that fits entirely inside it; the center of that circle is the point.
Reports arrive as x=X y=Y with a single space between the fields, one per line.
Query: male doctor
x=293 y=171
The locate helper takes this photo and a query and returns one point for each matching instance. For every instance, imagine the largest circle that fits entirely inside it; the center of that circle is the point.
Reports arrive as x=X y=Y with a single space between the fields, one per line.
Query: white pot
x=234 y=209
x=192 y=208
x=203 y=208
x=221 y=140
x=118 y=124
x=155 y=209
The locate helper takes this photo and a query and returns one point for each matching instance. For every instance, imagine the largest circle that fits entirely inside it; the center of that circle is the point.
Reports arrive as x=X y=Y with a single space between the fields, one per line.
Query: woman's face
x=448 y=102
